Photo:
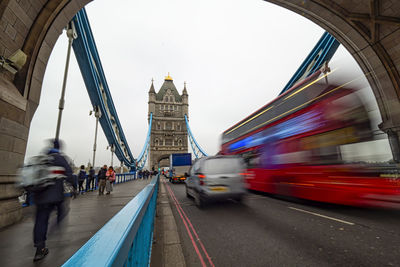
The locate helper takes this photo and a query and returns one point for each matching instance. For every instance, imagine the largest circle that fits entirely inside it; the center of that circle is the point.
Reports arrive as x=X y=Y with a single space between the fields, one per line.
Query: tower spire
x=184 y=92
x=168 y=78
x=152 y=87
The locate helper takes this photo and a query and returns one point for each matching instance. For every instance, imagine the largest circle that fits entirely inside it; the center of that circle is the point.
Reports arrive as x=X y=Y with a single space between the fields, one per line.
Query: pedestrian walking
x=101 y=176
x=81 y=178
x=49 y=198
x=110 y=179
x=91 y=184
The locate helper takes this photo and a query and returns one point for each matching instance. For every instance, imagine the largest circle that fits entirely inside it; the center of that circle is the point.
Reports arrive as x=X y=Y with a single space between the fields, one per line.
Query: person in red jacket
x=110 y=178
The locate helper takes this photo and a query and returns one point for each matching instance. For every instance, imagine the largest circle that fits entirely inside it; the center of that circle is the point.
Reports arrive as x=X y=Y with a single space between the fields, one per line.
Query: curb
x=167 y=248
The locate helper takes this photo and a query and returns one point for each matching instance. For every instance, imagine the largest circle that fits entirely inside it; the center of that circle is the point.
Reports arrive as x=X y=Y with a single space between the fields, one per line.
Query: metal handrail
x=126 y=239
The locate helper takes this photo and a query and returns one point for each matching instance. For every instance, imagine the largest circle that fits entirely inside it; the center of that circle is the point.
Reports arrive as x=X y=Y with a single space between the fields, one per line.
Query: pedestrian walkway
x=88 y=213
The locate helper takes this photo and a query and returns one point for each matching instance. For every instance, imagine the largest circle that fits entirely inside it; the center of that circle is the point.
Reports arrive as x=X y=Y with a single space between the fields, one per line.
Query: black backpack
x=82 y=175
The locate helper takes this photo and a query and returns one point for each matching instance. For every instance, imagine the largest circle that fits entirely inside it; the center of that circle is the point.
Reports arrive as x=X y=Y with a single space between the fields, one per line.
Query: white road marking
x=323 y=216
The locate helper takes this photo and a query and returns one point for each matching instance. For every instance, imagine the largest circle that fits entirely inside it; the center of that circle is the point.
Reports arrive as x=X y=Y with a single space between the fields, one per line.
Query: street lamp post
x=112 y=148
x=71 y=33
x=97 y=114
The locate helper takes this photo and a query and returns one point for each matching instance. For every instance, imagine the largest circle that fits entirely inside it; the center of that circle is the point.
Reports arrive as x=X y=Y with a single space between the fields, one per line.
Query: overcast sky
x=235 y=55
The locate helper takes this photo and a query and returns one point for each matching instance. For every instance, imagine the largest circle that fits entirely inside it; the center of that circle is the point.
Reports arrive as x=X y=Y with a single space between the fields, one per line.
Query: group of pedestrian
x=144 y=174
x=106 y=178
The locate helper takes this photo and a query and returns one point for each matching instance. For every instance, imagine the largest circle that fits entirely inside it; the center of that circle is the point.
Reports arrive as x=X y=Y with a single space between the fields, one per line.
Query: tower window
x=168 y=142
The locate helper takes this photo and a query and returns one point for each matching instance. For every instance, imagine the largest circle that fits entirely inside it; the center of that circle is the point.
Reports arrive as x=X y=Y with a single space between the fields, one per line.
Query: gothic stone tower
x=168 y=131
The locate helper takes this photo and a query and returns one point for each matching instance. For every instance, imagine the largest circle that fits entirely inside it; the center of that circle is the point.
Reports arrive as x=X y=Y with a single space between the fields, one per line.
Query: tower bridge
x=168 y=132
x=369 y=30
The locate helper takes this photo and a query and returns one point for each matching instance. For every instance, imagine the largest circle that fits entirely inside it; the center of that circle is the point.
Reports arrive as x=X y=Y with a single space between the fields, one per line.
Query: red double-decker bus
x=293 y=147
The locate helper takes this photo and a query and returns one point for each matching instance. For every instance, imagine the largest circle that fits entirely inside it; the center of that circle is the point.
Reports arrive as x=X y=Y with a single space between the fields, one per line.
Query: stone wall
x=33 y=26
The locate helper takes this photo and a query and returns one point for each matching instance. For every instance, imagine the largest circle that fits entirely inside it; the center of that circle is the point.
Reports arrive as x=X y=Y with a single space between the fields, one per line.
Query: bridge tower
x=168 y=131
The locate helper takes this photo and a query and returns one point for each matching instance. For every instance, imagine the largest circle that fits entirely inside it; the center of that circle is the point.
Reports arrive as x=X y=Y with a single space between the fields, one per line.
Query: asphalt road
x=268 y=231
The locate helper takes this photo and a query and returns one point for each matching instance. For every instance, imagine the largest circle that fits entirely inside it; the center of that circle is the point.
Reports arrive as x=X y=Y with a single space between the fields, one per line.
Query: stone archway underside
x=32 y=26
x=368 y=29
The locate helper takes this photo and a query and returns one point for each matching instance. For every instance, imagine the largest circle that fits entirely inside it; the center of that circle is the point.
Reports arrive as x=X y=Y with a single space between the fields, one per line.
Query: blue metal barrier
x=124 y=177
x=127 y=238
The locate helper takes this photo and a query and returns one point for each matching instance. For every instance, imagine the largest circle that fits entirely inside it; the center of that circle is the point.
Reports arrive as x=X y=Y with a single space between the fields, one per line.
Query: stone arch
x=162 y=160
x=368 y=29
x=33 y=27
x=370 y=32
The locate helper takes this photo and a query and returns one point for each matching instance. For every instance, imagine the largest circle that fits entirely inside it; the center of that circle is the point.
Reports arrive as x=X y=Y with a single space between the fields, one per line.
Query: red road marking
x=187 y=228
x=180 y=210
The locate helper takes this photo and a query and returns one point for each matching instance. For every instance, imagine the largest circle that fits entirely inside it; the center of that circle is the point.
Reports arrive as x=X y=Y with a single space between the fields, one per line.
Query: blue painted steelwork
x=319 y=55
x=197 y=150
x=141 y=160
x=96 y=84
x=126 y=239
x=124 y=177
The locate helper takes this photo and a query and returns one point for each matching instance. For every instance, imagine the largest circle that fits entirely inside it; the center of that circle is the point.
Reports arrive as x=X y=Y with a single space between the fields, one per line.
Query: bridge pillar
x=394 y=139
x=15 y=113
x=32 y=27
x=394 y=144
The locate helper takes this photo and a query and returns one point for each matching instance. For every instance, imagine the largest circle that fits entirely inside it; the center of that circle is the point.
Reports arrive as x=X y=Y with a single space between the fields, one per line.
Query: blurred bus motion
x=292 y=146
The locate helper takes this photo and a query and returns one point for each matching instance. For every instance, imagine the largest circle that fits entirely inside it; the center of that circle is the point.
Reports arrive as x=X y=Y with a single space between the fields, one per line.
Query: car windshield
x=223 y=165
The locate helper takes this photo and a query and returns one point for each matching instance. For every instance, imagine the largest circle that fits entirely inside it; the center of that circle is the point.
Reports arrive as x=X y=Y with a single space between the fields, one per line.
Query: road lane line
x=187 y=228
x=323 y=216
x=194 y=231
x=191 y=226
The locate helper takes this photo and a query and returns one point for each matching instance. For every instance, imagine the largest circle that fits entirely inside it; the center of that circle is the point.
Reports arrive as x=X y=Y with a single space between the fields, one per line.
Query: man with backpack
x=49 y=197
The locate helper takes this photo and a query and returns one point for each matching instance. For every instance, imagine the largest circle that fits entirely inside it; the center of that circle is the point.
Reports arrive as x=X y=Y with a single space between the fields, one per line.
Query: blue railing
x=124 y=177
x=127 y=238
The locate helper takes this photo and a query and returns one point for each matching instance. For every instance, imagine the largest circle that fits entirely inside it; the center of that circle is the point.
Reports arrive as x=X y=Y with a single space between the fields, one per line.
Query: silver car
x=216 y=177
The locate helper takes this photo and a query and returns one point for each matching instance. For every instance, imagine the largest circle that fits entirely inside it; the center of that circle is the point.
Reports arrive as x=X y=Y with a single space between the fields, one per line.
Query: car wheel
x=187 y=193
x=199 y=201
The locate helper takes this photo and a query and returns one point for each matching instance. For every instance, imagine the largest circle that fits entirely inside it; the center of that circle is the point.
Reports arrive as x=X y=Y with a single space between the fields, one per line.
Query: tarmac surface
x=265 y=230
x=88 y=213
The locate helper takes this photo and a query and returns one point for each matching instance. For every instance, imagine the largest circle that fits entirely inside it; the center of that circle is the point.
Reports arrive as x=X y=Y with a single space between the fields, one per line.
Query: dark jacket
x=102 y=174
x=54 y=193
x=92 y=173
x=82 y=175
